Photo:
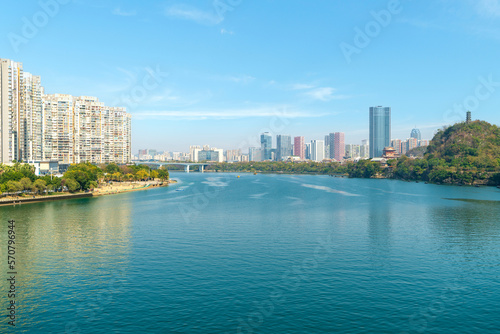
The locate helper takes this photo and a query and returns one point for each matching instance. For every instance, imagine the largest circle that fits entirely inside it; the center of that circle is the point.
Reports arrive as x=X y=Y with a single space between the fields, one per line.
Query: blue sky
x=221 y=72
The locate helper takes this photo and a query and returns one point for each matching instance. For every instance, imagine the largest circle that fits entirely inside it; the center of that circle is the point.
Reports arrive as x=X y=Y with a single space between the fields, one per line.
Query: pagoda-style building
x=390 y=153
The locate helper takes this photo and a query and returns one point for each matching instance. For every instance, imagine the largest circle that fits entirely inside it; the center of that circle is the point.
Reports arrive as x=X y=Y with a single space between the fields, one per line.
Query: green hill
x=466 y=146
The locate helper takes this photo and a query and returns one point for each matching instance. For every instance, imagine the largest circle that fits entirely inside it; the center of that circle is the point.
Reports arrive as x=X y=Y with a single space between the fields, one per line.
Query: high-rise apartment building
x=299 y=147
x=283 y=147
x=11 y=75
x=380 y=130
x=396 y=144
x=36 y=127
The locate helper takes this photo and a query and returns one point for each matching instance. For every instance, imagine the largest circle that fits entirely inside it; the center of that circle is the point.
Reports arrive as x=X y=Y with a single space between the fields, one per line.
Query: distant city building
x=352 y=151
x=308 y=151
x=233 y=155
x=254 y=154
x=283 y=147
x=338 y=146
x=411 y=143
x=211 y=154
x=194 y=151
x=329 y=146
x=415 y=133
x=317 y=150
x=380 y=130
x=299 y=147
x=266 y=145
x=396 y=144
x=423 y=143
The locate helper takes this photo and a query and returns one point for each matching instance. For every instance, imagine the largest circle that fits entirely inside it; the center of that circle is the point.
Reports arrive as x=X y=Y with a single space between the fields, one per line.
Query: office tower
x=330 y=142
x=283 y=147
x=254 y=154
x=339 y=146
x=380 y=130
x=317 y=150
x=329 y=146
x=308 y=151
x=415 y=133
x=396 y=144
x=299 y=148
x=266 y=145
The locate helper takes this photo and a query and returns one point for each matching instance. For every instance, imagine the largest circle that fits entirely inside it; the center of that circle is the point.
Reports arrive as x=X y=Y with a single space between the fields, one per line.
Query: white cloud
x=325 y=94
x=280 y=112
x=226 y=32
x=299 y=86
x=488 y=7
x=118 y=11
x=191 y=13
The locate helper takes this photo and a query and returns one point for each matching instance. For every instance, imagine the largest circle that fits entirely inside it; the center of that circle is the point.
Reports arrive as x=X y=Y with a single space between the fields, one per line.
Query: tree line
x=20 y=178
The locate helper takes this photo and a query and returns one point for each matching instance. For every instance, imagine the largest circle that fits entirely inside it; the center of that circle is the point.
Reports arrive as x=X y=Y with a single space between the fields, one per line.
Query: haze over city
x=198 y=73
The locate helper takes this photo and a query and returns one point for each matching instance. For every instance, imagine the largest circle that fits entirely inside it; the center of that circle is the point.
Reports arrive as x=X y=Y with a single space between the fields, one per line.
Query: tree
x=14 y=186
x=83 y=174
x=153 y=174
x=142 y=174
x=72 y=184
x=40 y=185
x=26 y=184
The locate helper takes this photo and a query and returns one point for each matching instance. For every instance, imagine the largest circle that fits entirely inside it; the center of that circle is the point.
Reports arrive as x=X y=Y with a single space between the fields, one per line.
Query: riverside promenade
x=108 y=189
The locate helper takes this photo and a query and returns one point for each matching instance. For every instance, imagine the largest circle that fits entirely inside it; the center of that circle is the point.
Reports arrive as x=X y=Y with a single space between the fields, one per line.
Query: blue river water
x=215 y=253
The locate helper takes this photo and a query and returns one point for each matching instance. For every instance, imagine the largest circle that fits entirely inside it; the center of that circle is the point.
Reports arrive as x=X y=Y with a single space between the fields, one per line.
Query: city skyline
x=226 y=79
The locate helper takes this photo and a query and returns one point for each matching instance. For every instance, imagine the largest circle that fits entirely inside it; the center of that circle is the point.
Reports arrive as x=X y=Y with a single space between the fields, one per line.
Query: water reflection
x=64 y=246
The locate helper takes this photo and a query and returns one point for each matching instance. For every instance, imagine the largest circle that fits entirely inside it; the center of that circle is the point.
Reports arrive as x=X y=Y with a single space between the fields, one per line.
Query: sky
x=220 y=72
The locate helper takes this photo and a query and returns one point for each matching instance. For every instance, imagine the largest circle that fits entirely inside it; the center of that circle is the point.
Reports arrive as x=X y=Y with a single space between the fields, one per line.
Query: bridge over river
x=185 y=164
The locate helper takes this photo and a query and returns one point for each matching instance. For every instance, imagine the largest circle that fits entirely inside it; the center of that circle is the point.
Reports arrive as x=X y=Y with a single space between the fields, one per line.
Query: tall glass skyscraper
x=266 y=145
x=415 y=133
x=283 y=147
x=380 y=130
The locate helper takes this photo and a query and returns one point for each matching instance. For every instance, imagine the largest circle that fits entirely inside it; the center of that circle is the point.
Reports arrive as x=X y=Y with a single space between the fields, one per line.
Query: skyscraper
x=338 y=146
x=11 y=74
x=380 y=130
x=415 y=133
x=283 y=147
x=266 y=145
x=299 y=148
x=317 y=150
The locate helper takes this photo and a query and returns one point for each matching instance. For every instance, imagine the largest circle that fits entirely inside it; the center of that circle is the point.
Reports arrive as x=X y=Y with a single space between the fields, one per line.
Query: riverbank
x=108 y=189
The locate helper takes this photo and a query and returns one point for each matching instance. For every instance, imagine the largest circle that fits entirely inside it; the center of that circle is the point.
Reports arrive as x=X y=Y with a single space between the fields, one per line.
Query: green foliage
x=72 y=184
x=83 y=174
